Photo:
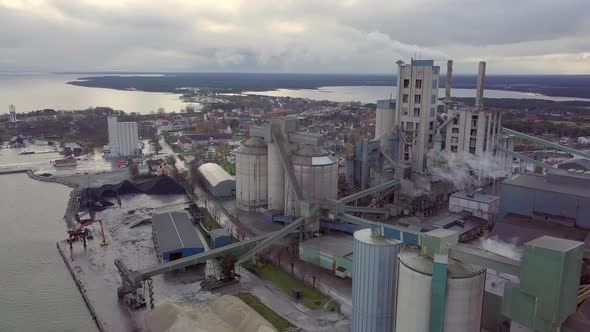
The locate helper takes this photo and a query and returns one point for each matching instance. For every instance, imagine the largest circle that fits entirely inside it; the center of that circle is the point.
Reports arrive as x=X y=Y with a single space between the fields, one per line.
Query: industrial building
x=123 y=139
x=298 y=170
x=416 y=195
x=563 y=198
x=479 y=205
x=575 y=165
x=217 y=181
x=332 y=252
x=175 y=236
x=219 y=238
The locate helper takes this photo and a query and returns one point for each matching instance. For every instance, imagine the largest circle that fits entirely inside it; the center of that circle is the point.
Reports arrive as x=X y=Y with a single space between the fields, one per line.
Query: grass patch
x=228 y=167
x=275 y=319
x=209 y=222
x=312 y=298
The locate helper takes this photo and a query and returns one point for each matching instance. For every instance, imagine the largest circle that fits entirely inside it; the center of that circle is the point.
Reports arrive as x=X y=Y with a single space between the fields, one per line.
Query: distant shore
x=575 y=86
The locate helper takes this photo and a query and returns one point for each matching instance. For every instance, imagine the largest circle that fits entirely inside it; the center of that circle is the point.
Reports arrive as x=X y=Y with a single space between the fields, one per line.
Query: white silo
x=464 y=294
x=373 y=282
x=317 y=173
x=252 y=174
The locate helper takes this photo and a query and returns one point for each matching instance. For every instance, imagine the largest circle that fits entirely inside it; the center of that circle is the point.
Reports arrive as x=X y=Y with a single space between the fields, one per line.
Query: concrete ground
x=94 y=268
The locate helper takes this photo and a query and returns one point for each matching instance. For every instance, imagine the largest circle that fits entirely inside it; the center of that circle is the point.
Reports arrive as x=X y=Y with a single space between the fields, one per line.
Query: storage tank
x=373 y=281
x=276 y=179
x=464 y=295
x=316 y=171
x=252 y=174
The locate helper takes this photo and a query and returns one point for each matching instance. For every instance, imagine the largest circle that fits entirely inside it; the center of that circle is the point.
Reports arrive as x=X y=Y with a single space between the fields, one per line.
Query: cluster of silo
x=392 y=288
x=261 y=180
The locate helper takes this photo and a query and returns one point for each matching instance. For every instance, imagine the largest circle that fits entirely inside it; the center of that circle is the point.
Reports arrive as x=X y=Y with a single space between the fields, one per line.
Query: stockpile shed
x=219 y=183
x=559 y=197
x=174 y=236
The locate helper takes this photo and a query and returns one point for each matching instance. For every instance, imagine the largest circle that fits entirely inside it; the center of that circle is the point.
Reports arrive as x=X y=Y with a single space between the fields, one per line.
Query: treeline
x=532 y=105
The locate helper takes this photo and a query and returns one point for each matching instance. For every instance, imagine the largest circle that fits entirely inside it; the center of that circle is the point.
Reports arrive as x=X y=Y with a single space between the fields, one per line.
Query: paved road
x=167 y=150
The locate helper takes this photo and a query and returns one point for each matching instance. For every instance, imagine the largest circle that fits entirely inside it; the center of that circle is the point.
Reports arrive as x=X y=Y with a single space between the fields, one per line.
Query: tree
x=133 y=169
x=190 y=109
x=222 y=152
x=170 y=160
x=234 y=124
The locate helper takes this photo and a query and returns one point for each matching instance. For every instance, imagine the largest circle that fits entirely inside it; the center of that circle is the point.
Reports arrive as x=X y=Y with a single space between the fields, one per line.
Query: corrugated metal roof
x=334 y=244
x=540 y=182
x=214 y=174
x=220 y=232
x=174 y=231
x=579 y=163
x=477 y=197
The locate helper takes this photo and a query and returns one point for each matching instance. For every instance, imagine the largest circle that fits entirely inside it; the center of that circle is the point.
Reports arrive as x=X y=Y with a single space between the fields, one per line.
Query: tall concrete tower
x=12 y=116
x=415 y=110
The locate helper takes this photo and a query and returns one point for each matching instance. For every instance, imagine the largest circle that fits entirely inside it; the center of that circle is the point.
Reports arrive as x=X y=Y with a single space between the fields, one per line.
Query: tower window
x=405 y=98
x=455 y=130
x=417 y=99
x=418 y=84
x=416 y=111
x=406 y=83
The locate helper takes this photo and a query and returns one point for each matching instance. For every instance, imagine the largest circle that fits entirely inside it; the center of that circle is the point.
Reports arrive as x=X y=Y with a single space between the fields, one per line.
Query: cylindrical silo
x=317 y=173
x=252 y=174
x=373 y=281
x=464 y=294
x=276 y=179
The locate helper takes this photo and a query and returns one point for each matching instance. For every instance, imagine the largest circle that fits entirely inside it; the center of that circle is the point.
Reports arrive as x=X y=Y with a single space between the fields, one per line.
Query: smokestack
x=448 y=85
x=481 y=74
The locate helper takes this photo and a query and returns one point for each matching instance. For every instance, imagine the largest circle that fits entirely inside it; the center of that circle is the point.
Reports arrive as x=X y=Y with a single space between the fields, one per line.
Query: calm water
x=29 y=92
x=37 y=292
x=369 y=94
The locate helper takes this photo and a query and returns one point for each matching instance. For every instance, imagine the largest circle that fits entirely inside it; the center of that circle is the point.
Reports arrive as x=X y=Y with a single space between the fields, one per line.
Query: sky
x=294 y=36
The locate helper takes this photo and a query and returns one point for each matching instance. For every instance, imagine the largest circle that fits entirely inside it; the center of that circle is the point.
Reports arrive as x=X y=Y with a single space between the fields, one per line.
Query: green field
x=209 y=222
x=312 y=297
x=275 y=319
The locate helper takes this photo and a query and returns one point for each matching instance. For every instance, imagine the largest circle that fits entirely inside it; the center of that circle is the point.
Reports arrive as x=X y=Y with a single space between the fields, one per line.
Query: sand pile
x=226 y=314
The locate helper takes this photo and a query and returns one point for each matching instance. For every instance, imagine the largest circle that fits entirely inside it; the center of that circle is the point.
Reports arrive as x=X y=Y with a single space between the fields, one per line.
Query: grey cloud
x=365 y=36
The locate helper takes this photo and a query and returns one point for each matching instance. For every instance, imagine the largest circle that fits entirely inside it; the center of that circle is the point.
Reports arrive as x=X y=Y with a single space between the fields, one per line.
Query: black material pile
x=94 y=199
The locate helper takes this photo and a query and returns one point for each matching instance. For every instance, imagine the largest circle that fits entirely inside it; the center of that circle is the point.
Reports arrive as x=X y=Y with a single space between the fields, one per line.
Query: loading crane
x=81 y=232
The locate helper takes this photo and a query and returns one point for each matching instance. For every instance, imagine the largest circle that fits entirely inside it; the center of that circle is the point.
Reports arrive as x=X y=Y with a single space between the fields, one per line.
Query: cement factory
x=406 y=215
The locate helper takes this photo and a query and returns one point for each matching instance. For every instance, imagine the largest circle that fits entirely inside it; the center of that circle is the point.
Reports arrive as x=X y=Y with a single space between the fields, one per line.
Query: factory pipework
x=481 y=74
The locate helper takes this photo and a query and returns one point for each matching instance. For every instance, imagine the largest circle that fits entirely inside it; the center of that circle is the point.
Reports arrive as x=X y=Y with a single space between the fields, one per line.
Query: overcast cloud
x=331 y=36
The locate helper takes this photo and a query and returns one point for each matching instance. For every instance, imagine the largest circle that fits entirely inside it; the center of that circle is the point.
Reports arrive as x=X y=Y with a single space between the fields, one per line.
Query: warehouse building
x=559 y=197
x=217 y=180
x=332 y=252
x=174 y=236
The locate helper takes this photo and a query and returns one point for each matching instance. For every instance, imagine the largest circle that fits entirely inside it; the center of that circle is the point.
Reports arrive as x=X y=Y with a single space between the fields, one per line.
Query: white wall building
x=123 y=139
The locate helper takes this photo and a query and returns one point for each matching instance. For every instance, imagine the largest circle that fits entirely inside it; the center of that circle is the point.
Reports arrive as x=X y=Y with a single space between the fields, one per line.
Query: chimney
x=448 y=85
x=481 y=74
